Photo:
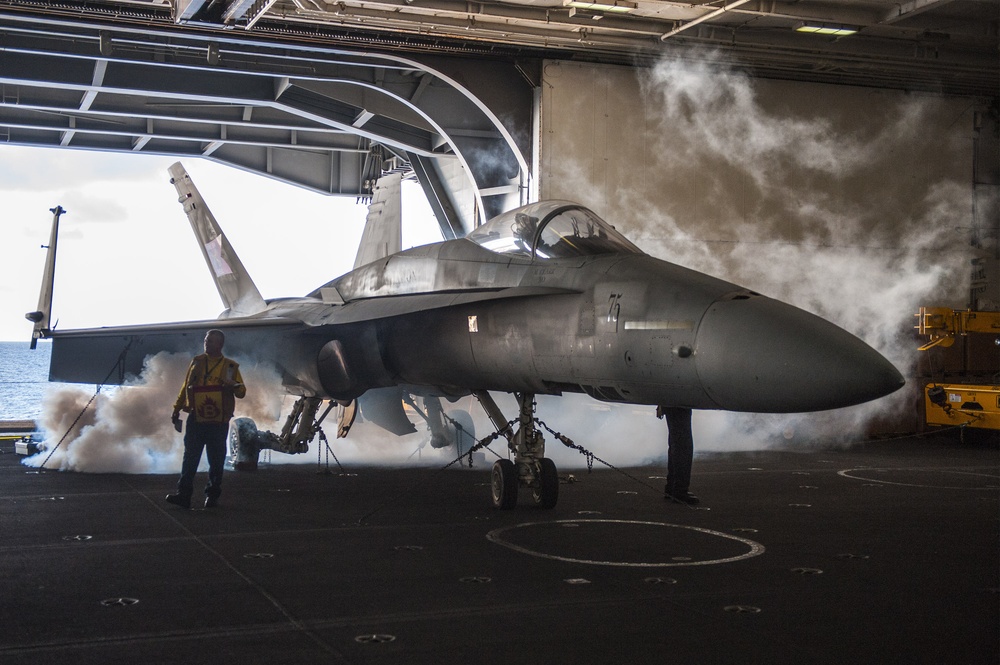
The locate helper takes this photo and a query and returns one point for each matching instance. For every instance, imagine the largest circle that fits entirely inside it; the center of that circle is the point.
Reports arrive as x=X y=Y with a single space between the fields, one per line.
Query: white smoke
x=128 y=429
x=861 y=250
x=368 y=444
x=858 y=222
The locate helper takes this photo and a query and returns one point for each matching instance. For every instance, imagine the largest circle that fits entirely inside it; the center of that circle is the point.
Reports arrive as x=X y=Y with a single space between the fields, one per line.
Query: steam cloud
x=128 y=429
x=835 y=226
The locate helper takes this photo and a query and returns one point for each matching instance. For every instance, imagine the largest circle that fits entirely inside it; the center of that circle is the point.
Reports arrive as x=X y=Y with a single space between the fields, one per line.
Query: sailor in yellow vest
x=208 y=396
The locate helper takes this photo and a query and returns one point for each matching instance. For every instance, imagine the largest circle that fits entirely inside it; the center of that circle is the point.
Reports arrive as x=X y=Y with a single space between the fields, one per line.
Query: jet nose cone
x=761 y=355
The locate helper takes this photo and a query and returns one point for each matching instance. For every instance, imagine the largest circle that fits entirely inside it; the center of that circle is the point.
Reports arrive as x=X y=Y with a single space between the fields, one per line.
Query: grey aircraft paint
x=544 y=299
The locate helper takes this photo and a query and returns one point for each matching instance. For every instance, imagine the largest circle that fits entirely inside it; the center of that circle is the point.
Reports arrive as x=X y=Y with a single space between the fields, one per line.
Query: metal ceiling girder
x=335 y=173
x=913 y=44
x=475 y=141
x=185 y=10
x=481 y=16
x=436 y=191
x=904 y=10
x=727 y=6
x=130 y=128
x=115 y=115
x=202 y=85
x=495 y=154
x=958 y=58
x=175 y=69
x=884 y=20
x=367 y=104
x=302 y=101
x=546 y=20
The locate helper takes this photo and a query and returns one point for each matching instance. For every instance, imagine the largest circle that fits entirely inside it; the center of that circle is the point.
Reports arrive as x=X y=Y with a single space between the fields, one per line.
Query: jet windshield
x=551 y=230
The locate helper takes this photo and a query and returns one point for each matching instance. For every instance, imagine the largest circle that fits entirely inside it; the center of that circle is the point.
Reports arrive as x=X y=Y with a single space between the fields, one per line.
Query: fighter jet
x=545 y=299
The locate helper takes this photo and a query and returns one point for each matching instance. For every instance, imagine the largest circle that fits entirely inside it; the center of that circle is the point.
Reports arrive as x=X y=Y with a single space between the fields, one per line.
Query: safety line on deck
x=296 y=623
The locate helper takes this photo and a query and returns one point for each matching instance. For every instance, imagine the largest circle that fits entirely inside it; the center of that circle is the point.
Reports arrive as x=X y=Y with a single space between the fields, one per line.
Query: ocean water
x=24 y=379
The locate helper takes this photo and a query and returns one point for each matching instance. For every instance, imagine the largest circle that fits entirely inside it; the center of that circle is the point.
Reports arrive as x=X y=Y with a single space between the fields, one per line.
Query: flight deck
x=884 y=552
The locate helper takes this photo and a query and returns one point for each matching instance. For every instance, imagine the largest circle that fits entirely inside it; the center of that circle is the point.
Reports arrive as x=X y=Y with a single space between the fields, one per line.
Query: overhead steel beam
x=117 y=114
x=184 y=10
x=701 y=19
x=910 y=9
x=301 y=114
x=80 y=125
x=207 y=87
x=890 y=45
x=441 y=203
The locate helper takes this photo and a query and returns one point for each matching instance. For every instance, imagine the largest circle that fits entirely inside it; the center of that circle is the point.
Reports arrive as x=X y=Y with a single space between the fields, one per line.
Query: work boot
x=211 y=501
x=683 y=497
x=180 y=500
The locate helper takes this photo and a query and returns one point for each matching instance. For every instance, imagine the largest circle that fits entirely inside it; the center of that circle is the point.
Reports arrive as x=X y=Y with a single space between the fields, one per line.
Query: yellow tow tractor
x=973 y=403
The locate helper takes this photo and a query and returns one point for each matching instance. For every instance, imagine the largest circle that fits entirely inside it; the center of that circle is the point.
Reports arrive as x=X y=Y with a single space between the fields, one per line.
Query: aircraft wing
x=114 y=354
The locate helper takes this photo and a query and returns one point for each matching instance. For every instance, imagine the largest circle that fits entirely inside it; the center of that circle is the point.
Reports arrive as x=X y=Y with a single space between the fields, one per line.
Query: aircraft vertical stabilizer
x=236 y=288
x=383 y=234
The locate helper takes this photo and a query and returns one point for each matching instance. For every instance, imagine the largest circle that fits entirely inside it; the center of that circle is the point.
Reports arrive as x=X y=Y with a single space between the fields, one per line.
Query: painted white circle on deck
x=943 y=478
x=753 y=548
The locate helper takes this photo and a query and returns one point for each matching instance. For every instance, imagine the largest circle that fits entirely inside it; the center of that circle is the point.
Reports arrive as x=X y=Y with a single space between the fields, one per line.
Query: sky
x=126 y=251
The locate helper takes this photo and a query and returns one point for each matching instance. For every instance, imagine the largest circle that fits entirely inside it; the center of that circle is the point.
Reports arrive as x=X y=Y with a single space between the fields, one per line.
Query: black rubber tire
x=243 y=452
x=547 y=493
x=503 y=485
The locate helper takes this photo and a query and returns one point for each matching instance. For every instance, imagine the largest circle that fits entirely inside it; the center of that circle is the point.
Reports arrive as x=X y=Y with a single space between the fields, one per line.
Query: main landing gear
x=530 y=467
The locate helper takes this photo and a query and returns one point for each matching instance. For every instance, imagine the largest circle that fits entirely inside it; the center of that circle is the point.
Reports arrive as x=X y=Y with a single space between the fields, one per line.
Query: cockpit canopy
x=551 y=230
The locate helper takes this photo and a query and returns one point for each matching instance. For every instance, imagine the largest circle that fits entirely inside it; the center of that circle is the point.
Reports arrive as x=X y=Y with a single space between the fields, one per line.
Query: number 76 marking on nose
x=614 y=308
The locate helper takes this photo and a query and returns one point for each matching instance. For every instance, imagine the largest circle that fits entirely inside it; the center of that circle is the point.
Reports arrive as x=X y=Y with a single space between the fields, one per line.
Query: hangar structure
x=328 y=95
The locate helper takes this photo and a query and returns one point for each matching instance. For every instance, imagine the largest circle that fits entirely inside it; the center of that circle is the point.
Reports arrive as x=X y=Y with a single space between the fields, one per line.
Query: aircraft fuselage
x=544 y=299
x=620 y=327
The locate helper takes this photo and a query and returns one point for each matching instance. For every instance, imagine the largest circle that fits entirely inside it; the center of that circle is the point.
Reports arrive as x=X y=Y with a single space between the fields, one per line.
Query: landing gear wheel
x=547 y=493
x=243 y=451
x=503 y=485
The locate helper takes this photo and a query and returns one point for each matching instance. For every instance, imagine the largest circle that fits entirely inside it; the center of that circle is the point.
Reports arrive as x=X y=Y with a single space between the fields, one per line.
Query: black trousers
x=680 y=449
x=210 y=437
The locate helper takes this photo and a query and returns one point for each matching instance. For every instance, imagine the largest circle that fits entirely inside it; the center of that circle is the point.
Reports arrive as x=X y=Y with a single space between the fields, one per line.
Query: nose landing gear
x=246 y=441
x=530 y=467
